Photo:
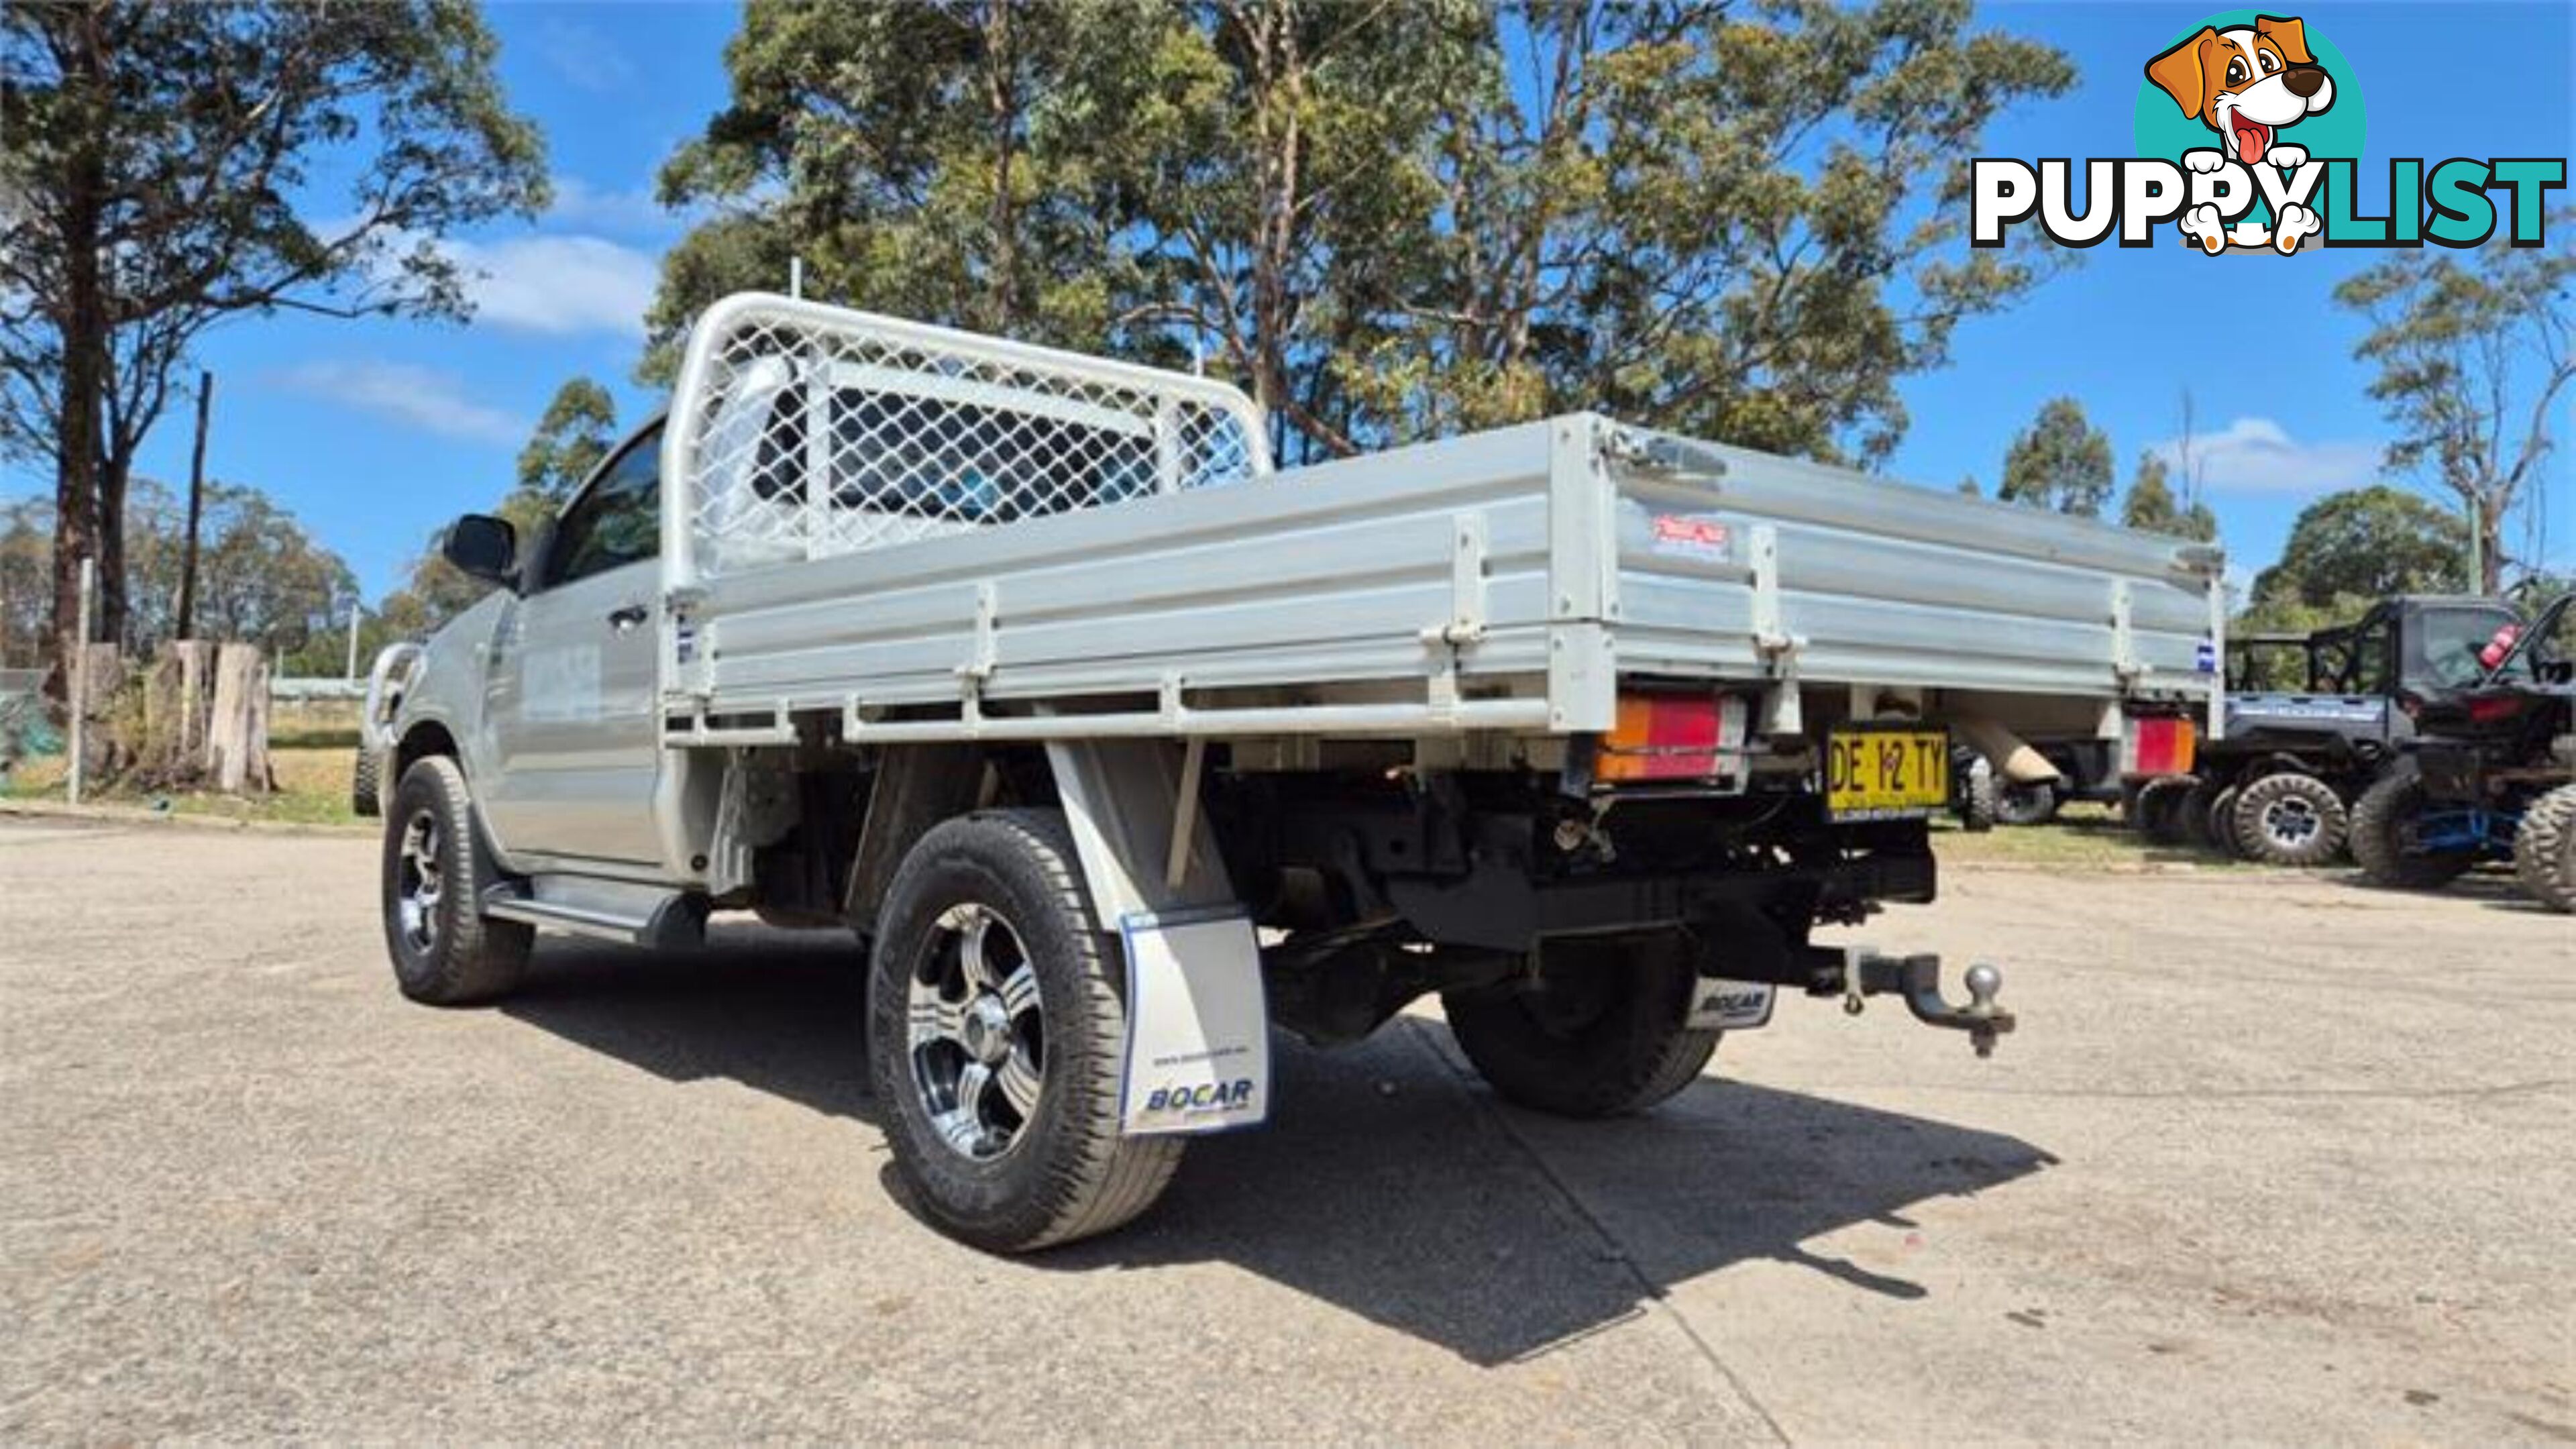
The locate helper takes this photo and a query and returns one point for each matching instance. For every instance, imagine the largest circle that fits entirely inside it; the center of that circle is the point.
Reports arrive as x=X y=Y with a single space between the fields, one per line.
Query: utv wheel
x=436 y=868
x=2290 y=819
x=2033 y=804
x=2159 y=810
x=2383 y=836
x=997 y=1030
x=2199 y=812
x=2544 y=849
x=1977 y=796
x=2220 y=824
x=362 y=784
x=1602 y=1032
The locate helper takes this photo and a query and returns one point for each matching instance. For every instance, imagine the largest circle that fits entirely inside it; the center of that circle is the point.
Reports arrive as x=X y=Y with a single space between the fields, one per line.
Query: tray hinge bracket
x=2124 y=642
x=978 y=668
x=1465 y=626
x=1781 y=714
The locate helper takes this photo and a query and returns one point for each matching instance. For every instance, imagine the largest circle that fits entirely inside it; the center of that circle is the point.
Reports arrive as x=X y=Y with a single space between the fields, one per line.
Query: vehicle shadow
x=778 y=1011
x=1389 y=1182
x=2491 y=884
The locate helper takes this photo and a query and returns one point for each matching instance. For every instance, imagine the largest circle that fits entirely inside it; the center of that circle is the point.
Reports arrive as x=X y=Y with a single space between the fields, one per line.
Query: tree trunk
x=83 y=325
x=178 y=703
x=76 y=458
x=114 y=471
x=237 y=734
x=1001 y=101
x=186 y=625
x=2489 y=509
x=105 y=750
x=74 y=491
x=199 y=721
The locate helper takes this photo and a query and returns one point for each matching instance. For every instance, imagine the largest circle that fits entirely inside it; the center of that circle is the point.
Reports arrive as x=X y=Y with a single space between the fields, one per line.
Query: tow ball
x=1918 y=978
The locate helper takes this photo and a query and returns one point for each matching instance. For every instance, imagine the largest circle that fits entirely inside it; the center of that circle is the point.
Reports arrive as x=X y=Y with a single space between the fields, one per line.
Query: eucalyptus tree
x=1387 y=220
x=164 y=167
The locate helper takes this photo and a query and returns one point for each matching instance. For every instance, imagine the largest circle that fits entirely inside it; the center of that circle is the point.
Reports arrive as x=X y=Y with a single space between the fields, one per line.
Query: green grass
x=312 y=789
x=2082 y=837
x=314 y=739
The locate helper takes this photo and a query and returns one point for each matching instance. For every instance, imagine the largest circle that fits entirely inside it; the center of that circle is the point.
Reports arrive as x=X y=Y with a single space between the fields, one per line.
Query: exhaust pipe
x=2012 y=756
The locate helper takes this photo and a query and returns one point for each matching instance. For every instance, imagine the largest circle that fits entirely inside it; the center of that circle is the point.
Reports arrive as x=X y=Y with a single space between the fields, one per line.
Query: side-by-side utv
x=2489 y=775
x=2314 y=719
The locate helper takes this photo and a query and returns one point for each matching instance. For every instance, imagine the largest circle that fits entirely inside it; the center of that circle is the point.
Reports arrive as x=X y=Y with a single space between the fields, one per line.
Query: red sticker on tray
x=1696 y=537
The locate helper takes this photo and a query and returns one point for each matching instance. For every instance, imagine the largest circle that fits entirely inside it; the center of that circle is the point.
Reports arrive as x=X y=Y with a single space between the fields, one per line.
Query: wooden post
x=79 y=665
x=197 y=692
x=172 y=752
x=192 y=659
x=237 y=731
x=196 y=509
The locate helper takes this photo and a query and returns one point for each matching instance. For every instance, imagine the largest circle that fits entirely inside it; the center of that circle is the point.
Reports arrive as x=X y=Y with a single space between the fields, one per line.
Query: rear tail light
x=1673 y=737
x=2157 y=745
x=2494 y=707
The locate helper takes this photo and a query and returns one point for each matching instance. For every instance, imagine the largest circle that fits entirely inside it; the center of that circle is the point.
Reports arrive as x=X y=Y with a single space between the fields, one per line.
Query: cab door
x=572 y=687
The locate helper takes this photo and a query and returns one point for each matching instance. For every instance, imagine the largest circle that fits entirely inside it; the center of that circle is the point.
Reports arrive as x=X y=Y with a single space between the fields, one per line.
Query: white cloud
x=583 y=56
x=558 y=285
x=581 y=206
x=430 y=399
x=2258 y=455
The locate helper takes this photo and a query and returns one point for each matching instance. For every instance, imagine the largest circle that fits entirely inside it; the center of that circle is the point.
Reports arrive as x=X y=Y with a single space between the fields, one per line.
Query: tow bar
x=1918 y=978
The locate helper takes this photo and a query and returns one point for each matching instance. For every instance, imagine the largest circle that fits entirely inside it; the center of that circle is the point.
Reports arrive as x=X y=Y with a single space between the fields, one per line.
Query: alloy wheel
x=976 y=1034
x=420 y=882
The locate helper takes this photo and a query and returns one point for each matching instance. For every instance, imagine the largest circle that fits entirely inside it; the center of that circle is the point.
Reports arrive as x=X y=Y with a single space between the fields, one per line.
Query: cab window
x=617 y=520
x=2450 y=640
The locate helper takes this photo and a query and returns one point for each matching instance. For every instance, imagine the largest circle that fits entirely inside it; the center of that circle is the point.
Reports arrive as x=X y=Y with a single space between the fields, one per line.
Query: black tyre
x=436 y=868
x=2033 y=804
x=362 y=784
x=1977 y=795
x=2544 y=849
x=1602 y=1032
x=2197 y=812
x=2219 y=825
x=2159 y=812
x=2383 y=836
x=2290 y=819
x=997 y=1028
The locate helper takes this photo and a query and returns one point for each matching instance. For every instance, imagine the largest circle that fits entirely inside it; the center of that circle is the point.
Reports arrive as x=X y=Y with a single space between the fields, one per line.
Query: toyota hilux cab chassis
x=1119 y=749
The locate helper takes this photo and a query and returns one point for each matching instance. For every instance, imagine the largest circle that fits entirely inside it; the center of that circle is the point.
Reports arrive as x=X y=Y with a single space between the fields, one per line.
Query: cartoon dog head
x=2246 y=84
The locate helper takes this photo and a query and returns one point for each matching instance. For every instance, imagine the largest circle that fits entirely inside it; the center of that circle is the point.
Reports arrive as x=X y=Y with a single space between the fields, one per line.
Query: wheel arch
x=1122 y=799
x=421 y=740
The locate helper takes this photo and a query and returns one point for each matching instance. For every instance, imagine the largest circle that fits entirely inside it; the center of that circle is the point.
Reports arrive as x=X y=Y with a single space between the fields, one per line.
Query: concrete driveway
x=2271 y=1158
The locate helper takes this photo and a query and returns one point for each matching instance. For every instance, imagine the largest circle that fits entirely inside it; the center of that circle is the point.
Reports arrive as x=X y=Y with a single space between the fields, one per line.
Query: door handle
x=626 y=617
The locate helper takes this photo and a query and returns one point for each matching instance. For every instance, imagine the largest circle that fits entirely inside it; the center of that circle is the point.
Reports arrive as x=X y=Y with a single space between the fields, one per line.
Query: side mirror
x=485 y=548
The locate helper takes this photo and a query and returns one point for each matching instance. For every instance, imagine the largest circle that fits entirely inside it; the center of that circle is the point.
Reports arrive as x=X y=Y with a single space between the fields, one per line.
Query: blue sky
x=375 y=432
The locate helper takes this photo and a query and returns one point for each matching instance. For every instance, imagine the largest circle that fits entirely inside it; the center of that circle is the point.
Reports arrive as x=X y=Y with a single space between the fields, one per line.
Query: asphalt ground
x=2271 y=1157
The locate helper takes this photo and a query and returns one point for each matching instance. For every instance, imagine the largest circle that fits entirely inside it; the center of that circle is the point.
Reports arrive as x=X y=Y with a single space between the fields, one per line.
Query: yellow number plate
x=1886 y=774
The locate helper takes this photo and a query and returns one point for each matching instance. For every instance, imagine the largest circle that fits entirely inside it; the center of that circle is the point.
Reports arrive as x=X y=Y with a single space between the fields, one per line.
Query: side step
x=654 y=917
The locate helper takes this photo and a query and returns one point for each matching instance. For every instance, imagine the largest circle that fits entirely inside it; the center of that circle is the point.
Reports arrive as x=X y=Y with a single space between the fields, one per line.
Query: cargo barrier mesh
x=810 y=431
